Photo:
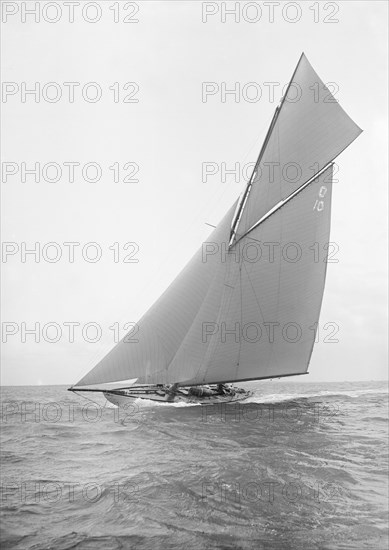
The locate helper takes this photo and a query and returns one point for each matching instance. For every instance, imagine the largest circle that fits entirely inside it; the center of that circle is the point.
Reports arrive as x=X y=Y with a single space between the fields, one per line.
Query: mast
x=246 y=193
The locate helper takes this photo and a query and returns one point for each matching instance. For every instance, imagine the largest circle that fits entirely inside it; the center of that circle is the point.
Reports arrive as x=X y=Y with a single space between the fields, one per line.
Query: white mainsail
x=247 y=308
x=265 y=319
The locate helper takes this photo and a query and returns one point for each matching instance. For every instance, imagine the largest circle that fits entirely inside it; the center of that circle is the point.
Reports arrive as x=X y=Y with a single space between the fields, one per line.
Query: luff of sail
x=226 y=317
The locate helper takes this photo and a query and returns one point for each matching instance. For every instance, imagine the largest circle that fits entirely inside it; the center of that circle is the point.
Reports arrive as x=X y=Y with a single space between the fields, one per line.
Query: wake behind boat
x=234 y=314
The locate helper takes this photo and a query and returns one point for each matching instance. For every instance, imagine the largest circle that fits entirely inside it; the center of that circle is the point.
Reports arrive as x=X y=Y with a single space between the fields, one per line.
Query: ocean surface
x=297 y=466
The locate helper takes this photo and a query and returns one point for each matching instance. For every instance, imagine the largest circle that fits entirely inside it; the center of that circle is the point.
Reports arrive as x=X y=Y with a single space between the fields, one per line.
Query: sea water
x=297 y=466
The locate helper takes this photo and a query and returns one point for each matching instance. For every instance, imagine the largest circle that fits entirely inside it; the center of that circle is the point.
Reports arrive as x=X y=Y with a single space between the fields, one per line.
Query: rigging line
x=227 y=186
x=220 y=195
x=213 y=200
x=282 y=203
x=252 y=146
x=246 y=193
x=244 y=197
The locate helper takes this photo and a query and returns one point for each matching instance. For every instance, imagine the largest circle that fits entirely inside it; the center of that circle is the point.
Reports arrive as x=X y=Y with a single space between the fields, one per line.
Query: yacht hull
x=122 y=398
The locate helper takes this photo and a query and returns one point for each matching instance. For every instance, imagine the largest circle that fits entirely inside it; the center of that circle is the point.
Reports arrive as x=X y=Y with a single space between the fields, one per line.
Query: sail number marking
x=319 y=204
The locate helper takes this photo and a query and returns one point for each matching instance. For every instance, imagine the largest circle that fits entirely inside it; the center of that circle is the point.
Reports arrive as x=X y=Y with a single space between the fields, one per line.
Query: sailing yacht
x=246 y=306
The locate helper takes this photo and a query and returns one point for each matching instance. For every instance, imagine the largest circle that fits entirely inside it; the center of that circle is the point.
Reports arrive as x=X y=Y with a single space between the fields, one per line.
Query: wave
x=148 y=403
x=257 y=398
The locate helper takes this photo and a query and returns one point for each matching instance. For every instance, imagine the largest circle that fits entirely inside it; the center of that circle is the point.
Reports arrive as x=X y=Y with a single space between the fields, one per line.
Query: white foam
x=257 y=398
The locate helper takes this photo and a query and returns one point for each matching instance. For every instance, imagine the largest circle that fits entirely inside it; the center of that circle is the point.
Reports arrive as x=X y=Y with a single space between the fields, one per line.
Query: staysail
x=247 y=307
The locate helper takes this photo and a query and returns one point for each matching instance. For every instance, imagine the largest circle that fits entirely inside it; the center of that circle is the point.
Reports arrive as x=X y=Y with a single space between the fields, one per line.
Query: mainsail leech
x=246 y=307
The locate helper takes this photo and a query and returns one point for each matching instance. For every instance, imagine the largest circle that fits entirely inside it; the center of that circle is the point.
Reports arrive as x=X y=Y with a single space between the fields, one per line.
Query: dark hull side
x=123 y=398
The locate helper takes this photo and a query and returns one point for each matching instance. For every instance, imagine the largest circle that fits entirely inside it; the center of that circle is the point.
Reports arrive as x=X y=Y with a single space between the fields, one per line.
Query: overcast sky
x=168 y=134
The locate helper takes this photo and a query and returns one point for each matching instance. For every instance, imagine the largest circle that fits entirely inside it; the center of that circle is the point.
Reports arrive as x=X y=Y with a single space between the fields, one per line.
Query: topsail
x=247 y=304
x=309 y=129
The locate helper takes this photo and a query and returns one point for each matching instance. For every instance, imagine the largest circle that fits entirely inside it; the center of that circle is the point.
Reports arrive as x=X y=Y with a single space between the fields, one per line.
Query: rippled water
x=298 y=466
